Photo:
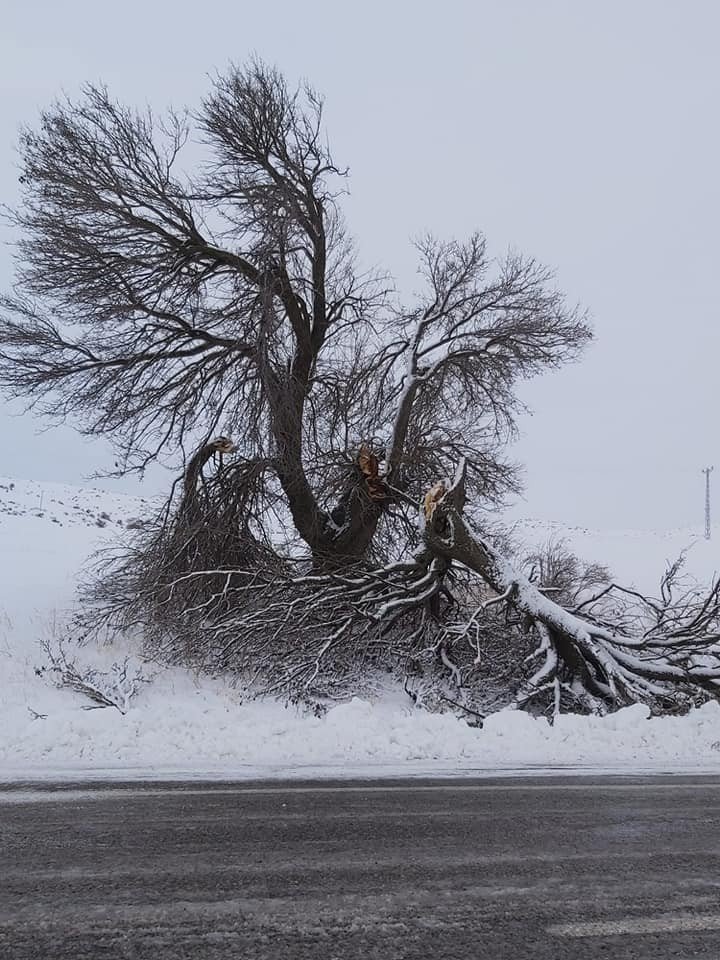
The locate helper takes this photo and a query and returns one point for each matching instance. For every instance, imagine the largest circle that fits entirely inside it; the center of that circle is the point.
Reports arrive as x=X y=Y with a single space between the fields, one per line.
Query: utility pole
x=707 y=471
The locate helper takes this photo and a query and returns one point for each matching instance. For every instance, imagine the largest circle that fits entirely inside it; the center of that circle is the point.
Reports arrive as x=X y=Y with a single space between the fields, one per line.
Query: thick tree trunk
x=353 y=522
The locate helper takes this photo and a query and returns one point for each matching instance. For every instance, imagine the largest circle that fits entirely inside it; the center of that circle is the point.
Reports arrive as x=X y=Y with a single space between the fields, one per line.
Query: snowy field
x=182 y=725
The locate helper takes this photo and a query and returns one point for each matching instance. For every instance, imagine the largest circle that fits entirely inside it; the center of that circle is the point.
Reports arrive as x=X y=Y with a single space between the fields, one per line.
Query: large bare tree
x=162 y=301
x=159 y=307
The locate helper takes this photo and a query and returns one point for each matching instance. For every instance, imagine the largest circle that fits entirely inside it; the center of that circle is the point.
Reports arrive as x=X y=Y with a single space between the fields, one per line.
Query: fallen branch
x=679 y=653
x=114 y=688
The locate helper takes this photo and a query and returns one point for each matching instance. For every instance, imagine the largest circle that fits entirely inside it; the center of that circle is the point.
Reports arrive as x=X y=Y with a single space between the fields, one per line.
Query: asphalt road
x=544 y=869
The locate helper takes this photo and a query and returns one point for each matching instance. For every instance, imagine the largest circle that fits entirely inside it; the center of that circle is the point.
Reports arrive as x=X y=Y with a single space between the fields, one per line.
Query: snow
x=635 y=557
x=182 y=725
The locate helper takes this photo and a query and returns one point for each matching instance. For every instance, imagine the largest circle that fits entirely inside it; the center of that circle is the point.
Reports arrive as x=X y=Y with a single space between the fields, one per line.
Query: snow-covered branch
x=601 y=662
x=113 y=688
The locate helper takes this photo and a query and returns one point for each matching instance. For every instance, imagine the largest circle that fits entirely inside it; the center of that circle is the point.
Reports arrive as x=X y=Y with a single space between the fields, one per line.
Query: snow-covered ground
x=635 y=557
x=182 y=725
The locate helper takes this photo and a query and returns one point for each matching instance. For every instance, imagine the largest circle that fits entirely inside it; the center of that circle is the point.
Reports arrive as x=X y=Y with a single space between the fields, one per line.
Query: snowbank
x=182 y=727
x=197 y=727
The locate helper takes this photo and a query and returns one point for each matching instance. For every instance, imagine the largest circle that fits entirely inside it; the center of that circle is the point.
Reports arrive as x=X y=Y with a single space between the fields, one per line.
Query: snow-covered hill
x=634 y=557
x=47 y=532
x=185 y=725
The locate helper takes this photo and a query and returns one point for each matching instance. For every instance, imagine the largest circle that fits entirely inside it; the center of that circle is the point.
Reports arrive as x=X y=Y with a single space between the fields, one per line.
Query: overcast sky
x=584 y=133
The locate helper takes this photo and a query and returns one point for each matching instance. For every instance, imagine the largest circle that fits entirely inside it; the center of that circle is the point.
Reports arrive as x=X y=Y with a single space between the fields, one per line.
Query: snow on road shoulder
x=195 y=726
x=190 y=725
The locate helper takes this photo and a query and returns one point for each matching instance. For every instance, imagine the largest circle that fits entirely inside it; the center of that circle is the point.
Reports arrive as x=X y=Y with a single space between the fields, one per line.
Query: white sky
x=583 y=132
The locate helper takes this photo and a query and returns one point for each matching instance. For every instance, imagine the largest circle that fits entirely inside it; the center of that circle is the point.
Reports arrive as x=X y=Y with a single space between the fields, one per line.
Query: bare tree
x=164 y=308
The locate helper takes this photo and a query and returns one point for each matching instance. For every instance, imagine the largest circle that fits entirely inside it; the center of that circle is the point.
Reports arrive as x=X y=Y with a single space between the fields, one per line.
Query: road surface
x=543 y=869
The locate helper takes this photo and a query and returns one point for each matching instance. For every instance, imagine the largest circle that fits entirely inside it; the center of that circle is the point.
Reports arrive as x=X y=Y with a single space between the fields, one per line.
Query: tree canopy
x=187 y=286
x=161 y=306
